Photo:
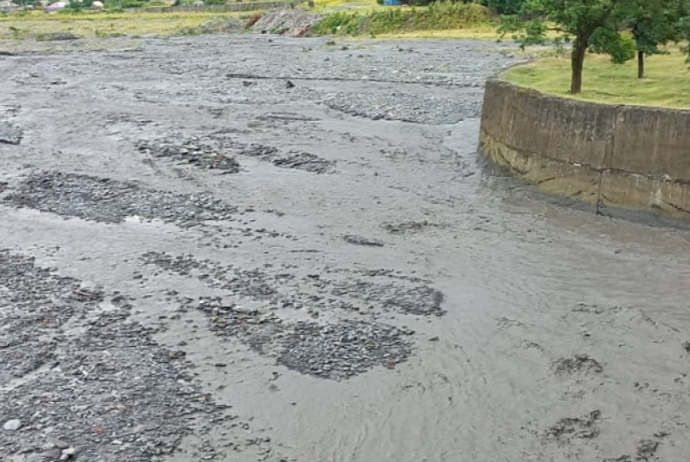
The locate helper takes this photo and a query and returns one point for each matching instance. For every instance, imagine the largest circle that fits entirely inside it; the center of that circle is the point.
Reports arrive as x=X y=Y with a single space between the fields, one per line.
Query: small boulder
x=12 y=425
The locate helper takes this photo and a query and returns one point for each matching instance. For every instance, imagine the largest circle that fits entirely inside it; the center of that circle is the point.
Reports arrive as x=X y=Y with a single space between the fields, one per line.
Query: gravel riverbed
x=259 y=248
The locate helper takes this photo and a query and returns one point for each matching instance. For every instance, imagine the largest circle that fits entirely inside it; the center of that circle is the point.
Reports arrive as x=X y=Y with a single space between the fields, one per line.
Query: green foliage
x=504 y=6
x=132 y=4
x=654 y=23
x=437 y=16
x=592 y=24
x=621 y=47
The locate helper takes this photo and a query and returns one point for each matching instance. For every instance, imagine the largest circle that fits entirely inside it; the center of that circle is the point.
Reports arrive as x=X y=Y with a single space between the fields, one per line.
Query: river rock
x=12 y=425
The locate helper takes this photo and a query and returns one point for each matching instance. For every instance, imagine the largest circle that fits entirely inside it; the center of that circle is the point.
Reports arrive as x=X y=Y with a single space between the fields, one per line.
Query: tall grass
x=437 y=16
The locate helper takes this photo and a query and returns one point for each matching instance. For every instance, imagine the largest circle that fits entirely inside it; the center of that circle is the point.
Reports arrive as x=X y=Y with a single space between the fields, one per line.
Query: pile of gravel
x=111 y=201
x=580 y=363
x=286 y=22
x=35 y=304
x=10 y=133
x=419 y=299
x=253 y=284
x=284 y=290
x=191 y=151
x=106 y=391
x=584 y=427
x=406 y=107
x=292 y=159
x=342 y=350
x=408 y=227
x=331 y=351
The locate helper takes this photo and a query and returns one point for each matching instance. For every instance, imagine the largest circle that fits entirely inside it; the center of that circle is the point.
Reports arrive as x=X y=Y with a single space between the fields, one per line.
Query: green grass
x=326 y=6
x=484 y=31
x=667 y=83
x=99 y=25
x=393 y=20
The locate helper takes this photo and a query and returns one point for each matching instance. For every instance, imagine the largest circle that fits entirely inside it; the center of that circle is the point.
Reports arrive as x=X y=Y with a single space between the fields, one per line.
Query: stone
x=12 y=425
x=68 y=453
x=57 y=443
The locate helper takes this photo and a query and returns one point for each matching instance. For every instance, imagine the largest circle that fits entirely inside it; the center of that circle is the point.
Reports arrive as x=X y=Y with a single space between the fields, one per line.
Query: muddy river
x=243 y=248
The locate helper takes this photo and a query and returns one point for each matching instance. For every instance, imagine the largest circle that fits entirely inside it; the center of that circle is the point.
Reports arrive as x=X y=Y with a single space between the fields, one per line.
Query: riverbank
x=415 y=20
x=42 y=27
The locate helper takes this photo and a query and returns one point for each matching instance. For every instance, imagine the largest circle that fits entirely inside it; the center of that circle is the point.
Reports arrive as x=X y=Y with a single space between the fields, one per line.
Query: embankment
x=615 y=157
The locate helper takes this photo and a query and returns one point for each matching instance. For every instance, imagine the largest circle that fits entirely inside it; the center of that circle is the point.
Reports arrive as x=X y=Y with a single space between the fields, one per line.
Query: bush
x=438 y=16
x=133 y=4
x=504 y=6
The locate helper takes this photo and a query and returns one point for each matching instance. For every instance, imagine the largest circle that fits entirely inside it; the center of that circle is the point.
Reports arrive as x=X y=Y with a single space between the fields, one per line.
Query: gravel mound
x=283 y=289
x=405 y=107
x=421 y=299
x=334 y=351
x=107 y=391
x=10 y=134
x=577 y=364
x=286 y=22
x=584 y=427
x=110 y=201
x=293 y=159
x=34 y=303
x=246 y=283
x=360 y=240
x=191 y=151
x=342 y=350
x=408 y=227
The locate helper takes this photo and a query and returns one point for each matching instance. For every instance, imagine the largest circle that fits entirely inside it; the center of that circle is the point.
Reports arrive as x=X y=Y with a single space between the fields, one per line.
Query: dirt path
x=242 y=248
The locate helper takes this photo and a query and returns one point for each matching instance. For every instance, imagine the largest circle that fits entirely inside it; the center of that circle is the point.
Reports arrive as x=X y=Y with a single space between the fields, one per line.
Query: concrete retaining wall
x=627 y=157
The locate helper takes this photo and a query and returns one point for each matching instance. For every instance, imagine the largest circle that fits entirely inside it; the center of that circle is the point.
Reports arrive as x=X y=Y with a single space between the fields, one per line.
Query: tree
x=653 y=23
x=581 y=20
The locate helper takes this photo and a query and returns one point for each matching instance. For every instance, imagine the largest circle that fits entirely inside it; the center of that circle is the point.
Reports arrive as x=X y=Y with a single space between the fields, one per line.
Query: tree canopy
x=620 y=28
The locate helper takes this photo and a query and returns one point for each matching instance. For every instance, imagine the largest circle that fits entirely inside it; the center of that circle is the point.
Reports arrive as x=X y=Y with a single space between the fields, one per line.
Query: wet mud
x=211 y=252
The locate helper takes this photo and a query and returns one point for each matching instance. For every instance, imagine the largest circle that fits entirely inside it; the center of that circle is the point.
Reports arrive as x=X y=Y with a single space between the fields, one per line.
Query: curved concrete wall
x=627 y=157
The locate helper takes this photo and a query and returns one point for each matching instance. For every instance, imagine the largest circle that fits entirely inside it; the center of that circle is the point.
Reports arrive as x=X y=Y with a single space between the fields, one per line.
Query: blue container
x=391 y=2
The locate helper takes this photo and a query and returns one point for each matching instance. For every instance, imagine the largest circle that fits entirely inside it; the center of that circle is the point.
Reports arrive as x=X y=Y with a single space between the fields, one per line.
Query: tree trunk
x=577 y=61
x=640 y=65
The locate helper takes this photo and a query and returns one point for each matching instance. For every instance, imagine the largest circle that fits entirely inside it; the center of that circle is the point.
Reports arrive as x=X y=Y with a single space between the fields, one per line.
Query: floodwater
x=562 y=333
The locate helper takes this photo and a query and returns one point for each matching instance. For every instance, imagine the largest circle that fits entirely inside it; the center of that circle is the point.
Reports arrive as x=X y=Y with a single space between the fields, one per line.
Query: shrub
x=438 y=16
x=504 y=6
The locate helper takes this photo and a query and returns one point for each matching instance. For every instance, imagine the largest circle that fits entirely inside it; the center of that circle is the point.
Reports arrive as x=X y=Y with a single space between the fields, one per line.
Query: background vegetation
x=436 y=16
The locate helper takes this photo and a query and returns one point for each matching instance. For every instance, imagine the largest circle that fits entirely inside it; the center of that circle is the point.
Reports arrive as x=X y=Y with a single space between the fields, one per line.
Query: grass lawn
x=667 y=83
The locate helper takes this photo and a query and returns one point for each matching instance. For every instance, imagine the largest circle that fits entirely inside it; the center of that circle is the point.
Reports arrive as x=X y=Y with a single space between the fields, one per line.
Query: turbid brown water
x=328 y=257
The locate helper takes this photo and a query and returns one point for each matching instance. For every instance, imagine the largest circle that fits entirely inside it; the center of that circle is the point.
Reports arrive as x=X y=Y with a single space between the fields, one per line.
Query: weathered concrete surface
x=623 y=157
